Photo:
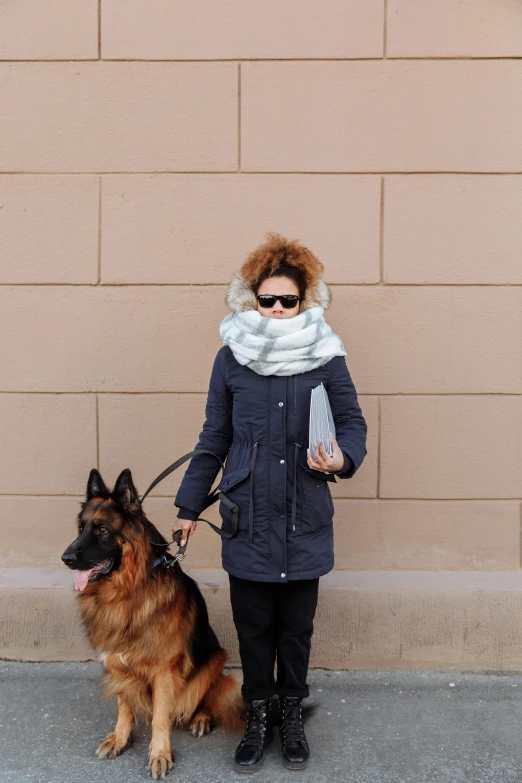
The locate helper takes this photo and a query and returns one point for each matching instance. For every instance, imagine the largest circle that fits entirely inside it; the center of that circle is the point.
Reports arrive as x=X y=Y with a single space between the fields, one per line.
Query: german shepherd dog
x=148 y=621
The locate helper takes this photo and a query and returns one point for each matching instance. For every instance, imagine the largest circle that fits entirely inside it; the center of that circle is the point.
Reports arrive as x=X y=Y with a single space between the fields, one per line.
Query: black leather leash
x=216 y=494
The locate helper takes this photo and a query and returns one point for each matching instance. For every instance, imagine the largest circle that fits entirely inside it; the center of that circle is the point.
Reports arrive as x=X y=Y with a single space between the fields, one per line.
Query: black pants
x=274 y=619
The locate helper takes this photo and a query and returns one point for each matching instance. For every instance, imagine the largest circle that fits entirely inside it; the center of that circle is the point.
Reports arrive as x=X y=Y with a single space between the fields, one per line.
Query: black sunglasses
x=287 y=300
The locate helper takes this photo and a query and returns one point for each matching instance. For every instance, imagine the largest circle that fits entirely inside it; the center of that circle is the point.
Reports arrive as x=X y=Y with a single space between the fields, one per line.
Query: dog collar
x=169 y=560
x=159 y=559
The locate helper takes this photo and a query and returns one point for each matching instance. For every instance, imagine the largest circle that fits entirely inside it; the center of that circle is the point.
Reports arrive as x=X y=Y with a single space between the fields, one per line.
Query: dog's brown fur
x=144 y=622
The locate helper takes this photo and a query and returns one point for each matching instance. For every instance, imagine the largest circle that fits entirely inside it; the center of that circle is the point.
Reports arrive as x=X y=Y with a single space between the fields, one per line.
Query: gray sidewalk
x=366 y=728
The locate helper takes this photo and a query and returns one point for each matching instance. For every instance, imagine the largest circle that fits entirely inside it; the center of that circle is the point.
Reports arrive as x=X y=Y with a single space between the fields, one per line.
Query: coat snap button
x=280 y=404
x=283 y=576
x=282 y=461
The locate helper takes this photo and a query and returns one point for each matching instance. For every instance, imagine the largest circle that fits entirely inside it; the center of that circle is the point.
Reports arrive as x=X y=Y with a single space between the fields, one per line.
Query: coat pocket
x=233 y=477
x=236 y=486
x=319 y=473
x=317 y=508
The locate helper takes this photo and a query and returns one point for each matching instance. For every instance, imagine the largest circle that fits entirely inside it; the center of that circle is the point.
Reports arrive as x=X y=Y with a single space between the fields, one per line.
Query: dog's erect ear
x=96 y=486
x=124 y=489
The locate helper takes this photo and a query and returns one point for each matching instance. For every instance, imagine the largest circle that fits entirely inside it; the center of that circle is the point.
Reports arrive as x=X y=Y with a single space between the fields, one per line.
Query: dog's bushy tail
x=226 y=703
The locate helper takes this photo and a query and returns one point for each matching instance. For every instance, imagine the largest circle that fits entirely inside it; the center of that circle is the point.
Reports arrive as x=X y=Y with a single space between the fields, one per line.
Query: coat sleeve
x=350 y=424
x=186 y=513
x=216 y=436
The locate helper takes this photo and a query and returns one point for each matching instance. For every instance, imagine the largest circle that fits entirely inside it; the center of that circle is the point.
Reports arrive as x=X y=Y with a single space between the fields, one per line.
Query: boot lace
x=291 y=724
x=256 y=725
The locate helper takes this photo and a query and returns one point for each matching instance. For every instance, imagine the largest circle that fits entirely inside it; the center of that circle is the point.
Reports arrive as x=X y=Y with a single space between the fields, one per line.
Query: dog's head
x=110 y=524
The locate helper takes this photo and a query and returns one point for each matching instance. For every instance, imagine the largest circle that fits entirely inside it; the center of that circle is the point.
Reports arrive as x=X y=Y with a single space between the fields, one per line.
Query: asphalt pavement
x=366 y=727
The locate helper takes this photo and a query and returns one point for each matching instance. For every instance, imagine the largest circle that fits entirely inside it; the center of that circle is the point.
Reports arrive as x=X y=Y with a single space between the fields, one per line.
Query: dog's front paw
x=112 y=746
x=160 y=765
x=201 y=724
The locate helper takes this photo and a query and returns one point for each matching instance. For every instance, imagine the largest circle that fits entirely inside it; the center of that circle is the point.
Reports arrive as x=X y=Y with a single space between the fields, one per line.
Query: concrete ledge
x=365 y=620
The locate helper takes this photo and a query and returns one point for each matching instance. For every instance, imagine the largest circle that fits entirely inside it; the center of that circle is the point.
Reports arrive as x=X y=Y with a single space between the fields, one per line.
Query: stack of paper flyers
x=321 y=420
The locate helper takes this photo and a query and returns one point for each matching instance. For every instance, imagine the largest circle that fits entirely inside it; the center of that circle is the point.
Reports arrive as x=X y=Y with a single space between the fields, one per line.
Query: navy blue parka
x=259 y=424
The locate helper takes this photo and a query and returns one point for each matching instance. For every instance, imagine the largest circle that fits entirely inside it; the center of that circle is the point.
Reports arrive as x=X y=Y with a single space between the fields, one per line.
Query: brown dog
x=148 y=621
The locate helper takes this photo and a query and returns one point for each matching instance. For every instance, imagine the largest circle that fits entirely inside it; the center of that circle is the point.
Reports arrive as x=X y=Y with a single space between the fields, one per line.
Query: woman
x=278 y=347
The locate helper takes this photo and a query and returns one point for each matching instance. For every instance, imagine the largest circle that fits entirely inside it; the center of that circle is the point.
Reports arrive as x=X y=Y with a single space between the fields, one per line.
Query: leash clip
x=180 y=554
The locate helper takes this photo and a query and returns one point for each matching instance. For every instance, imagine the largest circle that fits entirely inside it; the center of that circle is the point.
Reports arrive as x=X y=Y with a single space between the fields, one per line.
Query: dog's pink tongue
x=81 y=578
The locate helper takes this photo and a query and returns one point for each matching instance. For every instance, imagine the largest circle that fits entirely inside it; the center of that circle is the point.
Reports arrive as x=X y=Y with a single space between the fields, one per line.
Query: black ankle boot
x=293 y=741
x=258 y=733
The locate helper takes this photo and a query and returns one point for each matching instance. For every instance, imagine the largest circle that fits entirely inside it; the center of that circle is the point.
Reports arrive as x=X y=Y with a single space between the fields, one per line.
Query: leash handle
x=223 y=533
x=211 y=498
x=176 y=464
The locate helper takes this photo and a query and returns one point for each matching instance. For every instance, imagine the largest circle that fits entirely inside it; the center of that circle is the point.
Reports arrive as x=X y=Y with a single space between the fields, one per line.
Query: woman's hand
x=188 y=528
x=321 y=460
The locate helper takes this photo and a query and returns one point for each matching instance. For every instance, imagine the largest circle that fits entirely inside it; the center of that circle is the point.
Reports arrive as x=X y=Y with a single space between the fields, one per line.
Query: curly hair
x=279 y=256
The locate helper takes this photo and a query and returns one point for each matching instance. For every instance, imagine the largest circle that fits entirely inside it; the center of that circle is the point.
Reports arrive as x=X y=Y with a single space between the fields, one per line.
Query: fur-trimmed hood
x=240 y=296
x=277 y=250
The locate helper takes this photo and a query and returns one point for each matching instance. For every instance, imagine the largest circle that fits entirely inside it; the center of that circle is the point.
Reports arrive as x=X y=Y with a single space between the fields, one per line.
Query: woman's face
x=278 y=285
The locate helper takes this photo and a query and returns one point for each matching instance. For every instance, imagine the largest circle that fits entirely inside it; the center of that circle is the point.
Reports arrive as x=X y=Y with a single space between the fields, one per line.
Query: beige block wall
x=146 y=149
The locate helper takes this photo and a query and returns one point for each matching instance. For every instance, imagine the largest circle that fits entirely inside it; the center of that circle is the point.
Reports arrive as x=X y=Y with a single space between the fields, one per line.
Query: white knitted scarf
x=281 y=346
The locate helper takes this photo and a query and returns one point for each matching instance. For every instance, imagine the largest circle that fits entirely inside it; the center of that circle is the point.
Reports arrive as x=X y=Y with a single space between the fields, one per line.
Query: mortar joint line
x=239 y=117
x=381 y=235
x=98 y=280
x=385 y=31
x=99 y=29
x=379 y=425
x=208 y=285
x=520 y=536
x=282 y=173
x=97 y=433
x=413 y=58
